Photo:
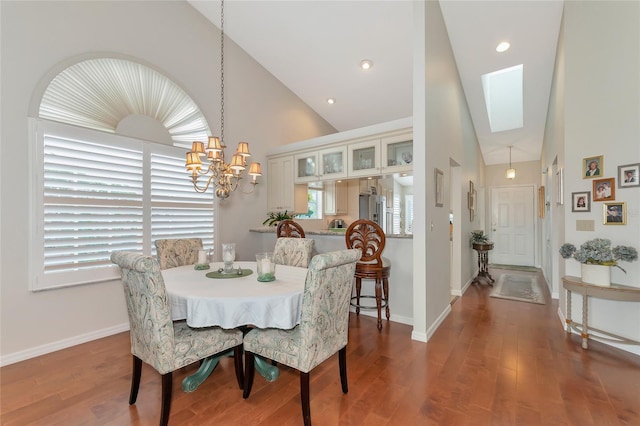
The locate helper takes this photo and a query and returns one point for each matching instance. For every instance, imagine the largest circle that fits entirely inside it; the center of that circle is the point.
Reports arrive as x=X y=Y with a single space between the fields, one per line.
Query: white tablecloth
x=234 y=302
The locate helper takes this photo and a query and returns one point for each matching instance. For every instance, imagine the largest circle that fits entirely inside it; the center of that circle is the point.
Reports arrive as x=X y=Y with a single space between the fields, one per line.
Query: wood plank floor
x=492 y=362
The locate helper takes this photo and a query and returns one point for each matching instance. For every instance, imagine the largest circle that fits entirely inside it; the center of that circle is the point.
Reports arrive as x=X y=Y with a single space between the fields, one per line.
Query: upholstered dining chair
x=369 y=238
x=289 y=228
x=323 y=328
x=157 y=340
x=178 y=252
x=293 y=251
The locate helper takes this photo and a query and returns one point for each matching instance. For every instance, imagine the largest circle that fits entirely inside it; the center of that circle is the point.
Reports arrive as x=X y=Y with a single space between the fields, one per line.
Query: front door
x=513 y=225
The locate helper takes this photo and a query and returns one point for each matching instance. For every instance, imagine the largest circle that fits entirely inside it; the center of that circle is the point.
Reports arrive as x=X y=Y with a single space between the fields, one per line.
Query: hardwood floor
x=492 y=362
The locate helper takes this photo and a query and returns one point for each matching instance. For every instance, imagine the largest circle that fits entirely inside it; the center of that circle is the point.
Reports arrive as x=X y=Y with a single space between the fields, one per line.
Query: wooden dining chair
x=323 y=328
x=157 y=340
x=178 y=252
x=369 y=238
x=290 y=229
x=293 y=251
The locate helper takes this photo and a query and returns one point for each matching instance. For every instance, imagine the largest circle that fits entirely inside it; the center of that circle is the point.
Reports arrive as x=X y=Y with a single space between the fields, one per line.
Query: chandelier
x=225 y=177
x=511 y=172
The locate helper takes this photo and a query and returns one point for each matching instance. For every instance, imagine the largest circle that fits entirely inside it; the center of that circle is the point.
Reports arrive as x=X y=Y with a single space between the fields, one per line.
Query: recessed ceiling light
x=503 y=47
x=365 y=64
x=331 y=101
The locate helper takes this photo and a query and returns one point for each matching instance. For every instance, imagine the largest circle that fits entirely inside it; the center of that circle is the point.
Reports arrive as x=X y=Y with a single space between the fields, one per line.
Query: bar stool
x=290 y=229
x=369 y=238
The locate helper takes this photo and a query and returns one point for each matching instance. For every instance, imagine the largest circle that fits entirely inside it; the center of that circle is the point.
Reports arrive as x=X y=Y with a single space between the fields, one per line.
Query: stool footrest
x=355 y=305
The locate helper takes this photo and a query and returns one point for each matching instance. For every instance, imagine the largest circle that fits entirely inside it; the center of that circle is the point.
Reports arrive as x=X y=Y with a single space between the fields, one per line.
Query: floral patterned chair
x=323 y=328
x=293 y=251
x=178 y=252
x=155 y=338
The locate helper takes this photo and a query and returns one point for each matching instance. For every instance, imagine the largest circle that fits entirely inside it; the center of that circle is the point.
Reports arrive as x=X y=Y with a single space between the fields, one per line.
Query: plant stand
x=483 y=264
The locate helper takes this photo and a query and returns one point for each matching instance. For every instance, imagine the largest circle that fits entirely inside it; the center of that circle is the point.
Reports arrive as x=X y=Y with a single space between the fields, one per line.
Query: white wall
x=39 y=39
x=601 y=109
x=443 y=132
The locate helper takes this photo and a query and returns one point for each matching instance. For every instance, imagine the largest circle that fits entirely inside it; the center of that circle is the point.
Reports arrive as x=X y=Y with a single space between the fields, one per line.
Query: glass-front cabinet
x=364 y=158
x=306 y=167
x=333 y=162
x=397 y=153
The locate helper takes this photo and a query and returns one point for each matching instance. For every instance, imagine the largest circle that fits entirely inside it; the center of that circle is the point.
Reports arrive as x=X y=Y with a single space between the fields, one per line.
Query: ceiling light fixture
x=511 y=172
x=365 y=64
x=225 y=177
x=331 y=101
x=503 y=47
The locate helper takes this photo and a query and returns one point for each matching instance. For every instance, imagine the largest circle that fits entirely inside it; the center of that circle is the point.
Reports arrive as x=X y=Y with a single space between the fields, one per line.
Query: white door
x=513 y=225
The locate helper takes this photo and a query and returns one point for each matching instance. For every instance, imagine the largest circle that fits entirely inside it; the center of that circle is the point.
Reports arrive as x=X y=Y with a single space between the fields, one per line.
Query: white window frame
x=38 y=128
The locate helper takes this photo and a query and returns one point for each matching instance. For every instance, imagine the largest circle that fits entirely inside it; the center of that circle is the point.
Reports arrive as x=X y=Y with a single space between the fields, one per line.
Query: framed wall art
x=541 y=202
x=439 y=187
x=614 y=213
x=604 y=189
x=629 y=175
x=592 y=167
x=581 y=201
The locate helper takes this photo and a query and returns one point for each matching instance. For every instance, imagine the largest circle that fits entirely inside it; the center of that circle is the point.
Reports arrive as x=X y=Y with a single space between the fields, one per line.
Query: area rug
x=514 y=267
x=523 y=288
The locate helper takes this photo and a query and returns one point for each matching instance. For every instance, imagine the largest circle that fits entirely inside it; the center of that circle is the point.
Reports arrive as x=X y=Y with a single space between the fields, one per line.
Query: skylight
x=503 y=98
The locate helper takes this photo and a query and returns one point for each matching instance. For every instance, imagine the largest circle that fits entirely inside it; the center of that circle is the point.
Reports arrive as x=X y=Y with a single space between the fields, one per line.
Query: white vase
x=596 y=274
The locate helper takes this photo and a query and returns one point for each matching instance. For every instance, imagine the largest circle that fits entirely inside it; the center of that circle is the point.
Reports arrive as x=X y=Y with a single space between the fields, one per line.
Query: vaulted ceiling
x=315 y=49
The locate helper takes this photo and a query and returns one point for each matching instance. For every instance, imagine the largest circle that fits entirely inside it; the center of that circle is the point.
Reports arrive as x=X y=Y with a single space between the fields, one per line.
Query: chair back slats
x=368 y=237
x=289 y=229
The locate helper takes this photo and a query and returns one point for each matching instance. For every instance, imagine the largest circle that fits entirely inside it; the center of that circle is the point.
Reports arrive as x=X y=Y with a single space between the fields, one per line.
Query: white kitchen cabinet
x=282 y=193
x=364 y=158
x=397 y=153
x=333 y=162
x=306 y=167
x=328 y=163
x=336 y=199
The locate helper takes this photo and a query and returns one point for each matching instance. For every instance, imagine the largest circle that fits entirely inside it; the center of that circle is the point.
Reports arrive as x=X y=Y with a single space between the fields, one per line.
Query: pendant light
x=511 y=172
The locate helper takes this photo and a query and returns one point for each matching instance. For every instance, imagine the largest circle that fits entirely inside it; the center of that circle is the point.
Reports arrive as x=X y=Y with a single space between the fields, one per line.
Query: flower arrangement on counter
x=599 y=252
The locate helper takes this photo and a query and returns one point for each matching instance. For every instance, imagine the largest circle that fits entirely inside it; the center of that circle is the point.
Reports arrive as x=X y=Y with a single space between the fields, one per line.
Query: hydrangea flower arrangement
x=599 y=252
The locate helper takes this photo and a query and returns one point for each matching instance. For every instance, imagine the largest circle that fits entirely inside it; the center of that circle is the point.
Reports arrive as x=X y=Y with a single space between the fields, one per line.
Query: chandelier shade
x=216 y=172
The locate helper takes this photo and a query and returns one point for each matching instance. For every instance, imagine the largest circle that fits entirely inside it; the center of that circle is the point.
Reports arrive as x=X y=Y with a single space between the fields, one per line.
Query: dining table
x=236 y=299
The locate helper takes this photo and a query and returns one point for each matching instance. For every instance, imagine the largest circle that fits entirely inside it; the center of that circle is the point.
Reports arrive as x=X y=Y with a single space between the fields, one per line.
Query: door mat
x=519 y=287
x=514 y=267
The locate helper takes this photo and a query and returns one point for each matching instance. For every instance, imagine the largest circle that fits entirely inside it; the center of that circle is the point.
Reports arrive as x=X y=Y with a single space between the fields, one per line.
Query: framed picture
x=592 y=167
x=472 y=204
x=470 y=200
x=604 y=189
x=560 y=187
x=439 y=187
x=541 y=202
x=581 y=201
x=629 y=175
x=614 y=213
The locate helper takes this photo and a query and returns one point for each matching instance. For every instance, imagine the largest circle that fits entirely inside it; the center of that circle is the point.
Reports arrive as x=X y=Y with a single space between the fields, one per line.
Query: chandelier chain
x=222 y=73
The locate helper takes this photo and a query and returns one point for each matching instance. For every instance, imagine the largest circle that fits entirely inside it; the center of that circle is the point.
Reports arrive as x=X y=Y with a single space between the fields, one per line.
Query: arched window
x=99 y=184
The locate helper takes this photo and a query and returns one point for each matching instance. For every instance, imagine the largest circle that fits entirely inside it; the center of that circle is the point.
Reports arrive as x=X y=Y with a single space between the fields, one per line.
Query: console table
x=483 y=262
x=614 y=292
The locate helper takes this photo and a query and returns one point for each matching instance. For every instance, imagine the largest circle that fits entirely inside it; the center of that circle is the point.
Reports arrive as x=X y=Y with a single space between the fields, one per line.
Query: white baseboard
x=393 y=318
x=424 y=337
x=61 y=344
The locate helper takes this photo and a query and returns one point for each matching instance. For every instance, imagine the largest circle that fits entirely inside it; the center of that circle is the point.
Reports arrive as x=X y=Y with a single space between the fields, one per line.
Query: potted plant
x=274 y=217
x=478 y=238
x=596 y=258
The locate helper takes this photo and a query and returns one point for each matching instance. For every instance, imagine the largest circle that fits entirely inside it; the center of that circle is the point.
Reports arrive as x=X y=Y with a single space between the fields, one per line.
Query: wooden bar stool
x=369 y=238
x=290 y=229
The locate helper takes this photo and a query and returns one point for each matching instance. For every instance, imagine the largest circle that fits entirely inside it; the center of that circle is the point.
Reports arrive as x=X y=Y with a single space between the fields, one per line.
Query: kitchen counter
x=341 y=232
